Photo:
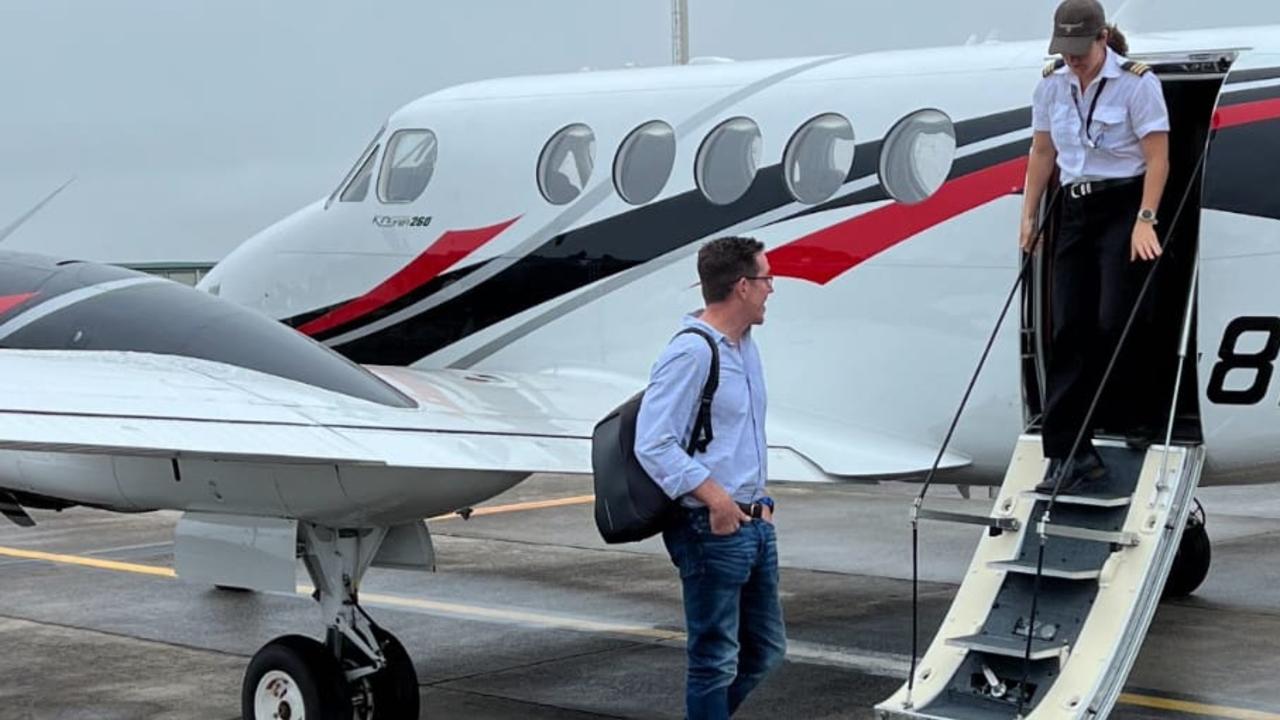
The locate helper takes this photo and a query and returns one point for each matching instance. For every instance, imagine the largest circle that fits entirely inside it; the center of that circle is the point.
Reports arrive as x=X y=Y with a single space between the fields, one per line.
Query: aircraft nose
x=267 y=272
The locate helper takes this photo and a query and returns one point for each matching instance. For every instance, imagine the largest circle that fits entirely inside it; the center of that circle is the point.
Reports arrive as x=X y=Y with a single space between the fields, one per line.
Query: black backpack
x=630 y=506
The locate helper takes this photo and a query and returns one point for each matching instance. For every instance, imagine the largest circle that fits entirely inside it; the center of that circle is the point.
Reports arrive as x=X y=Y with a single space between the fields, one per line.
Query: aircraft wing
x=140 y=404
x=124 y=403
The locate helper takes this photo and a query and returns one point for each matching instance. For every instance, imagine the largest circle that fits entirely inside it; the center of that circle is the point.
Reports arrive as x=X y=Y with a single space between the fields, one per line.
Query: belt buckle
x=1080 y=189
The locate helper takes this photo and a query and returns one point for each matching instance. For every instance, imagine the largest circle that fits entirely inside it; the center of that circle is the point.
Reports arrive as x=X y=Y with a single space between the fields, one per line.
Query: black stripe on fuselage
x=1243 y=76
x=1238 y=178
x=431 y=287
x=600 y=250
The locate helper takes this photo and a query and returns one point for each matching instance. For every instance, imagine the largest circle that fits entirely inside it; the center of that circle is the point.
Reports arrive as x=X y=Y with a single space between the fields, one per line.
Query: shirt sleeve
x=1040 y=118
x=1147 y=110
x=670 y=403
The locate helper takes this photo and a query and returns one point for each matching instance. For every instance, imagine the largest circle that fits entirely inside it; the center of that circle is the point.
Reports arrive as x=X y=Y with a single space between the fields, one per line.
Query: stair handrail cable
x=1060 y=473
x=946 y=441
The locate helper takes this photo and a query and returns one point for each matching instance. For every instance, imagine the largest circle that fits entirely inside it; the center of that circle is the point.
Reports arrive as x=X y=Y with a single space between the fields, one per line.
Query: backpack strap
x=702 y=434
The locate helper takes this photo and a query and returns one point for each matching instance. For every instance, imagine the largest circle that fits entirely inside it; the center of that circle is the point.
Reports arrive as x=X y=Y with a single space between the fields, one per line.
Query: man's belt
x=1079 y=190
x=755 y=510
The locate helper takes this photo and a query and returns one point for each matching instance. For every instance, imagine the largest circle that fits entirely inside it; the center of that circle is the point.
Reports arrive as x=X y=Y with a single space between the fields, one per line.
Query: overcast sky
x=191 y=124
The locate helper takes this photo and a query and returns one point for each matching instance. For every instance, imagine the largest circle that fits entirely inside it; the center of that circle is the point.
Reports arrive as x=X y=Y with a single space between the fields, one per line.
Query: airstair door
x=1106 y=556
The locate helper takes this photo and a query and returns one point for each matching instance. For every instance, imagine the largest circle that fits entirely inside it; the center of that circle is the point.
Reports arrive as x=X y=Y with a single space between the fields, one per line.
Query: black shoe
x=1050 y=477
x=1083 y=474
x=1088 y=474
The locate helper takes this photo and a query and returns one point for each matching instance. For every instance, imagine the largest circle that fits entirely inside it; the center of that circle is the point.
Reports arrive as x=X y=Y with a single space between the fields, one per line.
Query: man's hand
x=1027 y=235
x=766 y=514
x=1144 y=244
x=726 y=516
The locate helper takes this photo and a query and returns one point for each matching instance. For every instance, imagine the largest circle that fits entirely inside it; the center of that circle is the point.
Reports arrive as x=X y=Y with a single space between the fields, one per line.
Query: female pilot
x=1102 y=119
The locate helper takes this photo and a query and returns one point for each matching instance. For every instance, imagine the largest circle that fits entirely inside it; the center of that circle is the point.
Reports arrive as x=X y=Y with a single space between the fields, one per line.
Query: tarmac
x=530 y=615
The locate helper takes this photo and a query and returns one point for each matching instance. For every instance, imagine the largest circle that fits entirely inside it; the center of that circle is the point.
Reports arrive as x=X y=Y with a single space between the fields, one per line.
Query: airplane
x=503 y=260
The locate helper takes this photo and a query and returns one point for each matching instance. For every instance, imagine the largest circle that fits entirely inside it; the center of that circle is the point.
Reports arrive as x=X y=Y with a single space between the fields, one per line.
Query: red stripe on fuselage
x=9 y=302
x=822 y=256
x=1249 y=112
x=441 y=255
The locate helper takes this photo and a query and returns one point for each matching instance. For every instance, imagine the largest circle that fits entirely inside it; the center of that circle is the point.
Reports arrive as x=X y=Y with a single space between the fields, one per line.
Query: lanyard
x=1102 y=84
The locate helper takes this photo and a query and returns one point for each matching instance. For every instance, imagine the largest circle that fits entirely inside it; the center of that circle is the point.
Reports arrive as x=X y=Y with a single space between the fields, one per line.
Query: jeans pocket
x=727 y=559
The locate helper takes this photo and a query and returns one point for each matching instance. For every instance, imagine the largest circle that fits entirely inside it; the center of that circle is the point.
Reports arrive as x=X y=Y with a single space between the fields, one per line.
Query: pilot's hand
x=1144 y=245
x=727 y=517
x=1027 y=235
x=766 y=514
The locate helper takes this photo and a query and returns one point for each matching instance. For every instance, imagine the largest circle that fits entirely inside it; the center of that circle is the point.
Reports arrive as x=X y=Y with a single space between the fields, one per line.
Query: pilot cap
x=1076 y=24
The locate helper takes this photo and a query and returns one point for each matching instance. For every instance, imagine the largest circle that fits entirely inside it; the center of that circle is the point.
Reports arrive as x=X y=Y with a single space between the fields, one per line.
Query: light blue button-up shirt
x=737 y=457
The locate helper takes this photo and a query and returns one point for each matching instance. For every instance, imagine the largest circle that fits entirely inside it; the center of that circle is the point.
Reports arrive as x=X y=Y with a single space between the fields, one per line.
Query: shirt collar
x=694 y=319
x=1112 y=67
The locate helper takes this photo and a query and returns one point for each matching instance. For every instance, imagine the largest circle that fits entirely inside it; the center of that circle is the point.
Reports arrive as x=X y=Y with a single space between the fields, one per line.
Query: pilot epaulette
x=1053 y=65
x=1137 y=68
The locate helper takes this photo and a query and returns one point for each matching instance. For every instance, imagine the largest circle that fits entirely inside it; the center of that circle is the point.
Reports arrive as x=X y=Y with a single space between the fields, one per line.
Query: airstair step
x=1084 y=632
x=1013 y=646
x=1064 y=570
x=1105 y=498
x=960 y=707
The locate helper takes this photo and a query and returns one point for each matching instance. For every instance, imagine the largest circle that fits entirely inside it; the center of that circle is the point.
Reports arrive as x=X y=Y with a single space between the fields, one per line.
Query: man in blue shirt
x=723 y=540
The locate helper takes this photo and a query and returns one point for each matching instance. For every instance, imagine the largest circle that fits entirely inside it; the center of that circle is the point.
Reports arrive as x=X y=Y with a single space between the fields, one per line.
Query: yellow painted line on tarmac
x=518 y=507
x=88 y=562
x=513 y=616
x=1195 y=708
x=580 y=624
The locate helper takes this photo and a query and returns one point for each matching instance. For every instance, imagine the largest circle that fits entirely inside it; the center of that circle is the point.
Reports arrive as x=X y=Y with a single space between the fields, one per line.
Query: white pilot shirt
x=1131 y=106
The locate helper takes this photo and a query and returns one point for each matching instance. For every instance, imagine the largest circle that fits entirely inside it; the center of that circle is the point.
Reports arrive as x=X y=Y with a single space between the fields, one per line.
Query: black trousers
x=1093 y=293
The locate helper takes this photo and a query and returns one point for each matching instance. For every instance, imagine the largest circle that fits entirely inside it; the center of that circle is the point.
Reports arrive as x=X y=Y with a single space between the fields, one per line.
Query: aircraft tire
x=1191 y=564
x=297 y=672
x=395 y=687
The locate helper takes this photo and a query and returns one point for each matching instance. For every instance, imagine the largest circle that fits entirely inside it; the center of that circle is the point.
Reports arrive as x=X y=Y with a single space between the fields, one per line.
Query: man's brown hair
x=723 y=262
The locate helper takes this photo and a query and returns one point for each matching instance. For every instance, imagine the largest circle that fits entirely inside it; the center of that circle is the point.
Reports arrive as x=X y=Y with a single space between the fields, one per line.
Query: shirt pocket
x=1109 y=126
x=1064 y=126
x=732 y=402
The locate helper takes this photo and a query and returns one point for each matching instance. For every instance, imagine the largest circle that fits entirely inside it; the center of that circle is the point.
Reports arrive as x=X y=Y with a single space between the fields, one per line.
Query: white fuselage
x=885 y=347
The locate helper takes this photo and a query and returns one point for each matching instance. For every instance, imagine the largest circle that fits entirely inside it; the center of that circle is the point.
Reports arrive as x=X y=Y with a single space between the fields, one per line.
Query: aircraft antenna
x=13 y=226
x=679 y=32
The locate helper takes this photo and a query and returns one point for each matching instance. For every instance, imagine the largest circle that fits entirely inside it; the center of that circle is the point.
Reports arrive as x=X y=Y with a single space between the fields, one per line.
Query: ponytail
x=1116 y=40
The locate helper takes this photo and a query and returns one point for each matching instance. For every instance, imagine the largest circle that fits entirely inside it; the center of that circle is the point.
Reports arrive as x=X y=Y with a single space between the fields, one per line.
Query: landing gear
x=1191 y=564
x=360 y=672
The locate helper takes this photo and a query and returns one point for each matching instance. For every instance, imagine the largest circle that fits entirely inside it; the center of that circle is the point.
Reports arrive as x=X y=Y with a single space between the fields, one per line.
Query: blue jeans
x=732 y=612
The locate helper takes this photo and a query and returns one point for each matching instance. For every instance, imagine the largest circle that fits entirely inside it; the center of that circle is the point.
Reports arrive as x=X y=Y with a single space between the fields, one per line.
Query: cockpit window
x=100 y=307
x=818 y=158
x=369 y=151
x=358 y=188
x=407 y=167
x=917 y=156
x=566 y=163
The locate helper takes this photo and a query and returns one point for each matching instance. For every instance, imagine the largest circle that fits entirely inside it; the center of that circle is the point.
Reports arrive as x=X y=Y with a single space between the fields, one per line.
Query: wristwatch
x=1147 y=215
